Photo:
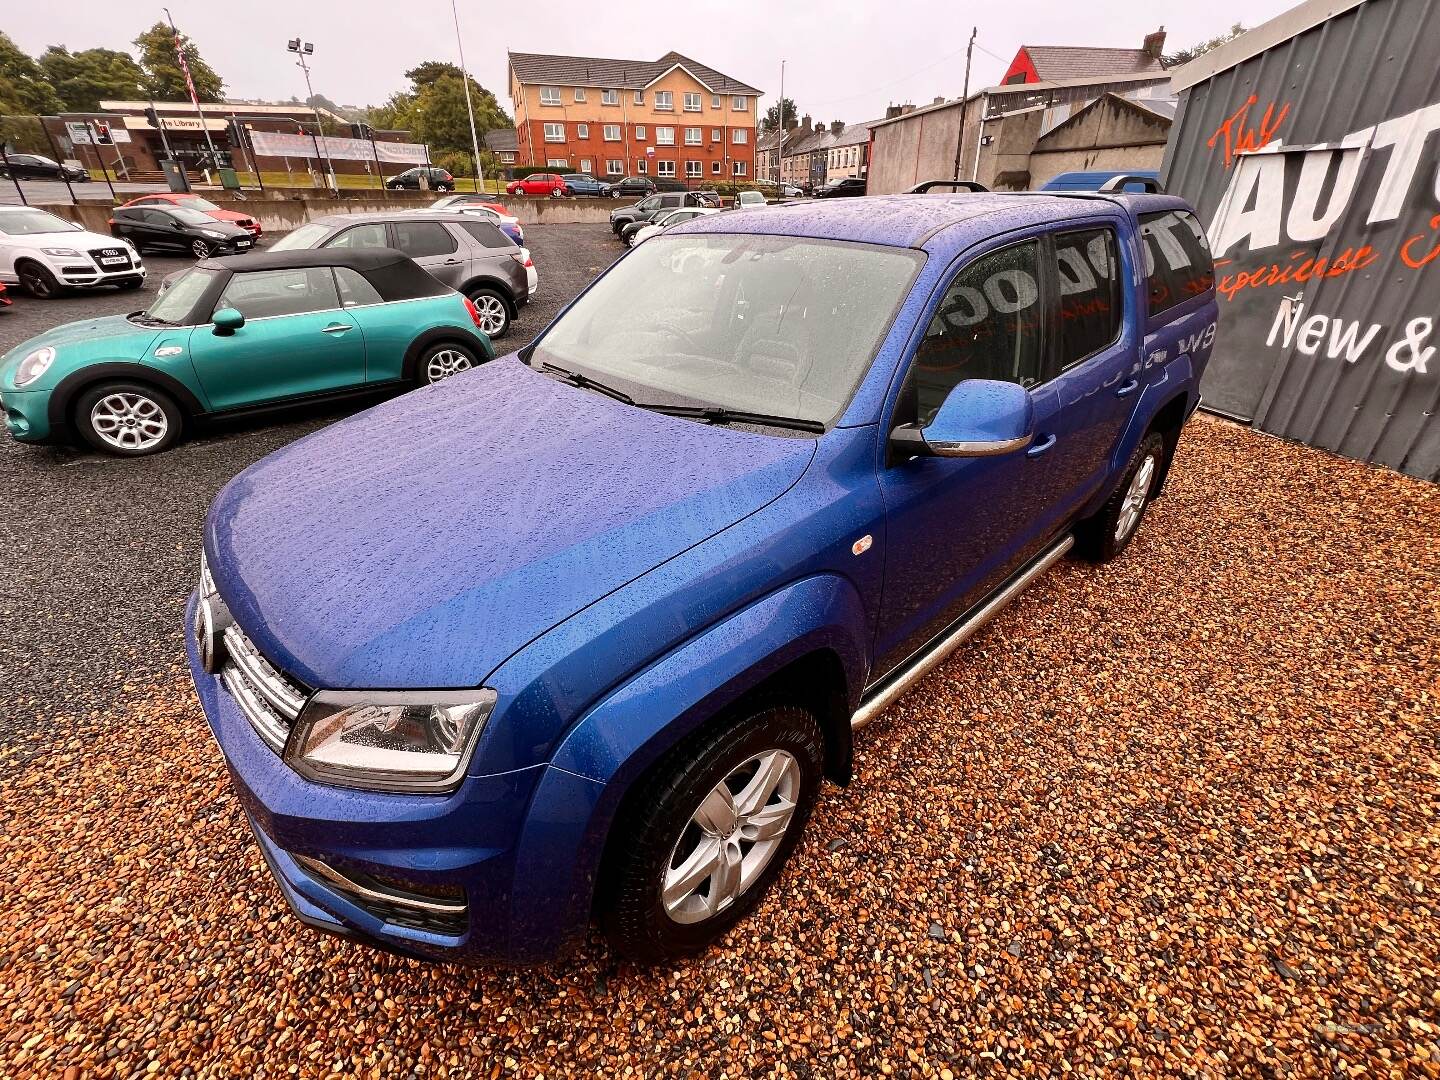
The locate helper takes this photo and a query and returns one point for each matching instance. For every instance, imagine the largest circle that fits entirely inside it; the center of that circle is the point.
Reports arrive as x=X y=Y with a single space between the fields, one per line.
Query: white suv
x=48 y=255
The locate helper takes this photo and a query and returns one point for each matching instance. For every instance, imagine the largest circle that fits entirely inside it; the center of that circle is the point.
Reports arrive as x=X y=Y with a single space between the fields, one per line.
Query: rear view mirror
x=979 y=418
x=226 y=321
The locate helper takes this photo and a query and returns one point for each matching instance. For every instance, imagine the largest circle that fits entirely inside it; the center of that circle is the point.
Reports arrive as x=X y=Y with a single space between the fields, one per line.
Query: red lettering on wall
x=1416 y=262
x=1235 y=137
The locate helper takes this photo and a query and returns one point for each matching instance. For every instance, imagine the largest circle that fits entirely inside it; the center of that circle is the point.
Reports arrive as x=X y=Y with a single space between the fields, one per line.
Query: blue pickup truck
x=579 y=634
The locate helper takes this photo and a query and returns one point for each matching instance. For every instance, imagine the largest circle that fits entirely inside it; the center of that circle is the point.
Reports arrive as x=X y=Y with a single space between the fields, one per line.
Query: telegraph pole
x=190 y=85
x=469 y=109
x=964 y=94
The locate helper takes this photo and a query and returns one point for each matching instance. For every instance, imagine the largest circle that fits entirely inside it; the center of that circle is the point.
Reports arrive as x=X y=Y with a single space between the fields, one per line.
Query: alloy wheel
x=731 y=837
x=36 y=283
x=129 y=421
x=446 y=362
x=201 y=249
x=1135 y=496
x=493 y=316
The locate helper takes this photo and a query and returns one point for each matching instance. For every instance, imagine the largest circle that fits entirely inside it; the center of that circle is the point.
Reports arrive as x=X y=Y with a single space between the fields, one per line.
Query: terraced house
x=672 y=117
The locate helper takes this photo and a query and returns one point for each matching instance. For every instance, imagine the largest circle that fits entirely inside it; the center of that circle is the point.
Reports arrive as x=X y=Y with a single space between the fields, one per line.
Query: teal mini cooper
x=238 y=335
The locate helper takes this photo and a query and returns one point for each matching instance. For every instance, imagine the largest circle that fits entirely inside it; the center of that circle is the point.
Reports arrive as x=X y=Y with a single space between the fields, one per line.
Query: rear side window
x=354 y=289
x=1177 y=258
x=988 y=326
x=486 y=233
x=1088 y=274
x=420 y=239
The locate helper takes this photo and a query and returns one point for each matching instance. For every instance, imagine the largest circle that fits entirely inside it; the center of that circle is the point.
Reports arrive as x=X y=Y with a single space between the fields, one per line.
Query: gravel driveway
x=1178 y=814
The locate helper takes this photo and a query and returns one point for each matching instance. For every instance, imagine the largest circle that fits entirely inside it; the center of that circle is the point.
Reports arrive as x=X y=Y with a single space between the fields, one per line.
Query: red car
x=540 y=183
x=195 y=202
x=5 y=301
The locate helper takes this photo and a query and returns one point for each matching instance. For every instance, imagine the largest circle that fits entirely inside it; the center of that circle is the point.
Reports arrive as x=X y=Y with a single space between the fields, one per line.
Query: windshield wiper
x=584 y=382
x=714 y=414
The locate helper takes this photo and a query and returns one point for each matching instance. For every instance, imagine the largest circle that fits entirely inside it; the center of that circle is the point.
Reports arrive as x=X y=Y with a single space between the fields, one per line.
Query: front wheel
x=200 y=249
x=38 y=281
x=493 y=310
x=1105 y=534
x=708 y=832
x=128 y=419
x=443 y=360
x=557 y=193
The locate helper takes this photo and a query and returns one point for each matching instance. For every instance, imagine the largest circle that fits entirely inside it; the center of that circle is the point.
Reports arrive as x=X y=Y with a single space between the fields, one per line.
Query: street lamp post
x=465 y=81
x=302 y=49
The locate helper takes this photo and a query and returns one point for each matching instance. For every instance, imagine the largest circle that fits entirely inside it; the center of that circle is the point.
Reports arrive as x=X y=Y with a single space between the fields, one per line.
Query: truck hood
x=421 y=543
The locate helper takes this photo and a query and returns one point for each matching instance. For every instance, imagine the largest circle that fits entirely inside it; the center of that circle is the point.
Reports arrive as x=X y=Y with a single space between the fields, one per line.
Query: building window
x=611 y=132
x=642 y=166
x=715 y=168
x=579 y=93
x=737 y=168
x=558 y=163
x=554 y=132
x=694 y=168
x=640 y=132
x=664 y=100
x=664 y=168
x=582 y=131
x=714 y=134
x=739 y=135
x=664 y=136
x=614 y=167
x=549 y=95
x=585 y=164
x=714 y=101
x=609 y=97
x=692 y=102
x=692 y=137
x=738 y=103
x=639 y=97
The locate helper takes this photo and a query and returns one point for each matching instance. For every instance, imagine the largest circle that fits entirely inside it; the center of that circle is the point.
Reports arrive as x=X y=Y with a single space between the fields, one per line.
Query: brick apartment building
x=671 y=117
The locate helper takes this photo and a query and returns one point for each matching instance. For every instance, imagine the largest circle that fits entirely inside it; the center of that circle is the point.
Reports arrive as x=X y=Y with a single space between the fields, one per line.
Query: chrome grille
x=269 y=700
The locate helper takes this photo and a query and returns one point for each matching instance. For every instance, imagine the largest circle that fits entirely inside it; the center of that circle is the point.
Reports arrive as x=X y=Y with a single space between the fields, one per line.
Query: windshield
x=771 y=324
x=175 y=303
x=33 y=222
x=306 y=236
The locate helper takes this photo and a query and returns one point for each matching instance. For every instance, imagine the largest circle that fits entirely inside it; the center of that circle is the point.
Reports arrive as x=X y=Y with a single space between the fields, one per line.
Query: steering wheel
x=683 y=335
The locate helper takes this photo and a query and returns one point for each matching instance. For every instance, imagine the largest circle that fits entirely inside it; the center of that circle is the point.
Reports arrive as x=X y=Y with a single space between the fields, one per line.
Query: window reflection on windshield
x=306 y=236
x=771 y=324
x=175 y=303
x=30 y=222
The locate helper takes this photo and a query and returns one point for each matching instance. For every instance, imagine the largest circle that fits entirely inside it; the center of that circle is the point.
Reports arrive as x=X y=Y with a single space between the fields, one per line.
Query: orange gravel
x=1178 y=815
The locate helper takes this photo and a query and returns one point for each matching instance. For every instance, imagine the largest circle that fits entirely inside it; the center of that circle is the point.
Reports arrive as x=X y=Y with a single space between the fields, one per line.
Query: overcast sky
x=846 y=59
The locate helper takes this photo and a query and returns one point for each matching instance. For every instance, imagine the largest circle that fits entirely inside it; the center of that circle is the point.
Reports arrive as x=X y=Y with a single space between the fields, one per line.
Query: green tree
x=163 y=77
x=86 y=78
x=23 y=88
x=1184 y=56
x=433 y=109
x=772 y=114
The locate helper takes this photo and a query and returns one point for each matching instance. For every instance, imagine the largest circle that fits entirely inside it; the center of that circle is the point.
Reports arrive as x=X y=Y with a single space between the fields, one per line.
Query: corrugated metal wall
x=1327 y=248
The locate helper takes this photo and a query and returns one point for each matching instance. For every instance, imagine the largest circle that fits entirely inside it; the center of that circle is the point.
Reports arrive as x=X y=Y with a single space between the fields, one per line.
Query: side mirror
x=226 y=321
x=979 y=418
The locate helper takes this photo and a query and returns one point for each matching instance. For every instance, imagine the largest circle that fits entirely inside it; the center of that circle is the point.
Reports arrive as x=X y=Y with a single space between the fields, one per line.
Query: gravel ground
x=1175 y=815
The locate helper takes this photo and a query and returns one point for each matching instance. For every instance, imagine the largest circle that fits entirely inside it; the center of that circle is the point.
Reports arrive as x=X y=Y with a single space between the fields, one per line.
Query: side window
x=157 y=217
x=354 y=289
x=649 y=204
x=1088 y=273
x=1177 y=258
x=264 y=294
x=486 y=233
x=672 y=200
x=988 y=326
x=361 y=236
x=421 y=239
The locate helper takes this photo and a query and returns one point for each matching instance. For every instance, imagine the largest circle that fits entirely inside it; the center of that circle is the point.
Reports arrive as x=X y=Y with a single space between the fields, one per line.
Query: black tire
x=1100 y=537
x=486 y=300
x=657 y=823
x=462 y=358
x=38 y=281
x=85 y=404
x=200 y=249
x=127 y=286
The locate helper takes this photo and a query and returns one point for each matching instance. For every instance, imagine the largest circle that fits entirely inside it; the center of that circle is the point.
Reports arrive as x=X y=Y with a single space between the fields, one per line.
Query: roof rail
x=1116 y=184
x=967 y=185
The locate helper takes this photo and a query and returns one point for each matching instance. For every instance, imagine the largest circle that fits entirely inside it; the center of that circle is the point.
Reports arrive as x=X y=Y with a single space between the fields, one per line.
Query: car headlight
x=63 y=252
x=34 y=365
x=383 y=740
x=212 y=234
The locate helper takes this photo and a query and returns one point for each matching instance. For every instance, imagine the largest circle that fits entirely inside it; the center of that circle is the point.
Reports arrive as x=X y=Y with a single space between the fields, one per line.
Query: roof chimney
x=1155 y=44
x=837 y=126
x=891 y=111
x=908 y=107
x=791 y=123
x=805 y=125
x=939 y=99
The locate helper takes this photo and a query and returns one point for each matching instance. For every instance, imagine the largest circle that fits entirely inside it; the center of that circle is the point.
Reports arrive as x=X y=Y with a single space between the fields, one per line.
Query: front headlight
x=34 y=365
x=62 y=252
x=383 y=740
x=212 y=234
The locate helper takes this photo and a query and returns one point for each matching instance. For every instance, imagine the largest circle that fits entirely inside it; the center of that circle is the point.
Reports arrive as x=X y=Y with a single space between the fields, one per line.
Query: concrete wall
x=1044 y=167
x=1111 y=134
x=921 y=146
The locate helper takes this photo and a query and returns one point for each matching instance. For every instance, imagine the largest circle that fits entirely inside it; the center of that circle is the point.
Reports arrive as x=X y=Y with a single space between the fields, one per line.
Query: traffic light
x=102 y=133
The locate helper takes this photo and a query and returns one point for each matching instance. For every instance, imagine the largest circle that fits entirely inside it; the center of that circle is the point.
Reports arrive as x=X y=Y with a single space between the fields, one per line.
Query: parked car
x=748 y=200
x=592 y=639
x=845 y=188
x=440 y=179
x=38 y=167
x=629 y=187
x=464 y=200
x=651 y=207
x=195 y=202
x=178 y=228
x=508 y=223
x=468 y=253
x=50 y=256
x=585 y=184
x=551 y=184
x=782 y=189
x=5 y=300
x=1094 y=179
x=640 y=231
x=235 y=335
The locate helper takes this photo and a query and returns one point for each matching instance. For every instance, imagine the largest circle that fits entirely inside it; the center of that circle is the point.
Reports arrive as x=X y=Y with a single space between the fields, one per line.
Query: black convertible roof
x=394 y=275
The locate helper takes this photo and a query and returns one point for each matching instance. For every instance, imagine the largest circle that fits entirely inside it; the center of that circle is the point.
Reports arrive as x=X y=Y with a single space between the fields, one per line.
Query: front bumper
x=330 y=848
x=83 y=273
x=27 y=416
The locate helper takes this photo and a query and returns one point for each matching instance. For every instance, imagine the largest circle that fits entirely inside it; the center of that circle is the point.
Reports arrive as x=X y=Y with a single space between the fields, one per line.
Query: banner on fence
x=281 y=144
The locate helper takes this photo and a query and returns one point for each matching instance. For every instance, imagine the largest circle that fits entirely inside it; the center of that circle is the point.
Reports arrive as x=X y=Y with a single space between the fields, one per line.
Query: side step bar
x=933 y=655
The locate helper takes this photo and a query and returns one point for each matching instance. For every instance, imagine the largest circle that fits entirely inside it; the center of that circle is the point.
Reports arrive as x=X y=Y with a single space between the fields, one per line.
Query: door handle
x=1040 y=447
x=452 y=262
x=335 y=328
x=1128 y=389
